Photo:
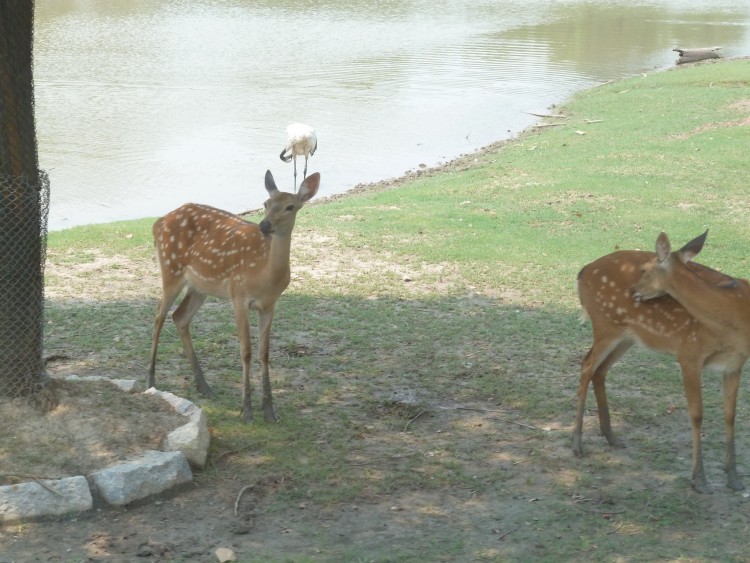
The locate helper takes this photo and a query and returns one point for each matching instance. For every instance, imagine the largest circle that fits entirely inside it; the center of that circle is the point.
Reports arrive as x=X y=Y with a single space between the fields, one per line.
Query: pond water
x=142 y=106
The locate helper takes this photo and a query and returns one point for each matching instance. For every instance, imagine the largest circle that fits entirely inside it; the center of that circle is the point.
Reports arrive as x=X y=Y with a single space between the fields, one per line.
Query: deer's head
x=281 y=207
x=657 y=274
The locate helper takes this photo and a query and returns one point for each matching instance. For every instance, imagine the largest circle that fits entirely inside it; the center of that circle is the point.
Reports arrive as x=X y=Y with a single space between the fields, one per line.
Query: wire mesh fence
x=24 y=202
x=23 y=244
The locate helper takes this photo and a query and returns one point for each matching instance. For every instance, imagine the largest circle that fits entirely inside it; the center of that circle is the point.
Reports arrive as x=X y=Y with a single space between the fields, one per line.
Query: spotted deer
x=214 y=252
x=668 y=303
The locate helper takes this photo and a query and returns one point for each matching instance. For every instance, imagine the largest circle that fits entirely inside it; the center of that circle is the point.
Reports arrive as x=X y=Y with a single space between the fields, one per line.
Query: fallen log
x=692 y=55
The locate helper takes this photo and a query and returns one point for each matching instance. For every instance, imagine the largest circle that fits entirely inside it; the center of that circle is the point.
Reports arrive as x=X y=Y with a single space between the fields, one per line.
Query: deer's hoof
x=700 y=486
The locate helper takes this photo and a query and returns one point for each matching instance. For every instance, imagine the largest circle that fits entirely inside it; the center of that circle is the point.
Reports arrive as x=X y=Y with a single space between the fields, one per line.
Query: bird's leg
x=304 y=175
x=295 y=174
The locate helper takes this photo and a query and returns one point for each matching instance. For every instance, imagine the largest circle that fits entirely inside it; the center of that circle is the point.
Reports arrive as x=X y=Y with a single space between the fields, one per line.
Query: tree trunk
x=21 y=222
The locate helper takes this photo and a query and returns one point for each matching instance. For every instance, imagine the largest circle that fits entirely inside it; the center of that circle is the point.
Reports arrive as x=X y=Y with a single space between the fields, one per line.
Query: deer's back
x=210 y=247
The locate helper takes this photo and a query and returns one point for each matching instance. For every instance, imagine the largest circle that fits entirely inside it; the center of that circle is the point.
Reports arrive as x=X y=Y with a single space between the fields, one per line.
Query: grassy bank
x=426 y=355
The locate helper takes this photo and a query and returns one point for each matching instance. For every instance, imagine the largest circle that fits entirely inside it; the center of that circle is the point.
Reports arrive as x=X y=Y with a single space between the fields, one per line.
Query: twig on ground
x=476 y=409
x=38 y=481
x=507 y=420
x=495 y=418
x=239 y=497
x=50 y=489
x=546 y=115
x=420 y=413
x=36 y=478
x=501 y=537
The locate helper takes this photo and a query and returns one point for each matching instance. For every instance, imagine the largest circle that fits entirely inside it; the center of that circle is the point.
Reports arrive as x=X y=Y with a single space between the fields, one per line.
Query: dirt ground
x=79 y=434
x=519 y=466
x=191 y=525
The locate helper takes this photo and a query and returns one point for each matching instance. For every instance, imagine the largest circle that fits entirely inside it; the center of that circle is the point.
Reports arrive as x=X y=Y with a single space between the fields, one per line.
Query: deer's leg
x=167 y=299
x=731 y=387
x=600 y=391
x=691 y=378
x=594 y=368
x=587 y=372
x=243 y=332
x=182 y=316
x=264 y=324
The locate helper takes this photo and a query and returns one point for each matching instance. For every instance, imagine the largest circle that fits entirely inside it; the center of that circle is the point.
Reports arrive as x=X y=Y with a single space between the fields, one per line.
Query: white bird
x=301 y=141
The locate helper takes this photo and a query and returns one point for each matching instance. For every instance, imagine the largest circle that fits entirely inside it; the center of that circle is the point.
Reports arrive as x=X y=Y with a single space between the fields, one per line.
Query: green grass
x=489 y=317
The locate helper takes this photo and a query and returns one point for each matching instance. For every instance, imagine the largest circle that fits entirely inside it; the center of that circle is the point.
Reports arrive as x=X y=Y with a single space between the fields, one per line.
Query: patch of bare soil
x=93 y=425
x=742 y=106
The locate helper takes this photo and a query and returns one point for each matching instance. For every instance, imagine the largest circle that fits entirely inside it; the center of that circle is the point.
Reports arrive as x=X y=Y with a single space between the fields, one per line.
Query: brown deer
x=213 y=252
x=670 y=304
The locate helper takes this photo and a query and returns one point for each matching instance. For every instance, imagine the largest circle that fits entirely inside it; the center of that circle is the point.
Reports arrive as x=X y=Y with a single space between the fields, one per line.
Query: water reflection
x=144 y=105
x=594 y=40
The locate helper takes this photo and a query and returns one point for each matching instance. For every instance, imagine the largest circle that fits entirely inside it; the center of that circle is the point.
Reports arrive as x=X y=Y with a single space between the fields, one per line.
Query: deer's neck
x=722 y=309
x=278 y=255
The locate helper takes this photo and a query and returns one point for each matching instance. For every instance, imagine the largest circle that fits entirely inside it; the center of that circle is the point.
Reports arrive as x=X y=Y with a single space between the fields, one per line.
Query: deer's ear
x=691 y=249
x=663 y=247
x=309 y=187
x=270 y=184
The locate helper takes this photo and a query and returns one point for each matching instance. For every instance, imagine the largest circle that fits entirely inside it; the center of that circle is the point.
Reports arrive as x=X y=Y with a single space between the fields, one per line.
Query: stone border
x=136 y=479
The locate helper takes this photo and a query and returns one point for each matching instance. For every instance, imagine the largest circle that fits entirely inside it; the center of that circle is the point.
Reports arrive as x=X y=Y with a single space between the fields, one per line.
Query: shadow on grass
x=449 y=419
x=458 y=348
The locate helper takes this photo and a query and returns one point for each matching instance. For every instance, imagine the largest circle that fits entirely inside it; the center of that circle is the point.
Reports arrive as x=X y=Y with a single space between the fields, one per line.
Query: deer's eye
x=289 y=207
